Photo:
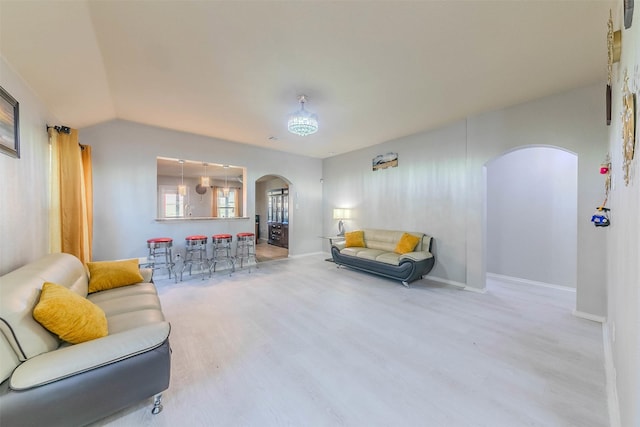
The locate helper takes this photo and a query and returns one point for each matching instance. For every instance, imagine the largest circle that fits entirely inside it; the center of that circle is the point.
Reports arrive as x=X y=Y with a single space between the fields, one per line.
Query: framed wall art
x=9 y=125
x=383 y=161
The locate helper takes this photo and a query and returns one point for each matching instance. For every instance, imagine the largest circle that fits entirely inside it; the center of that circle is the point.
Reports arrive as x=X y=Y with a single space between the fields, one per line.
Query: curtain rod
x=62 y=129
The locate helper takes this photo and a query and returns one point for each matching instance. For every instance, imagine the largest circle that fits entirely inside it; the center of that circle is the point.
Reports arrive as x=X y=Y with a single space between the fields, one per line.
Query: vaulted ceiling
x=373 y=70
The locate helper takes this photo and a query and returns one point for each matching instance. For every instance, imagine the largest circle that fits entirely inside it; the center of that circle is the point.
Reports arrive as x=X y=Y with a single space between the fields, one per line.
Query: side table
x=331 y=239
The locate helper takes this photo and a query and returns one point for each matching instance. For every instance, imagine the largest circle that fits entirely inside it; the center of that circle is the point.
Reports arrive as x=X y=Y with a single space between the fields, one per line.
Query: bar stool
x=195 y=253
x=160 y=255
x=246 y=249
x=221 y=245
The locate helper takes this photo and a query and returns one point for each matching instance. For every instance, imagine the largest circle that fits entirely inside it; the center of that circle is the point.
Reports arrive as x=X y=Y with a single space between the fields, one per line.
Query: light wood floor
x=299 y=342
x=267 y=252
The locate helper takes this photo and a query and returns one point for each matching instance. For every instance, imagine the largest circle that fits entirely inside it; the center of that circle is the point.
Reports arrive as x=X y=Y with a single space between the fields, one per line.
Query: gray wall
x=124 y=176
x=623 y=239
x=24 y=193
x=532 y=201
x=439 y=186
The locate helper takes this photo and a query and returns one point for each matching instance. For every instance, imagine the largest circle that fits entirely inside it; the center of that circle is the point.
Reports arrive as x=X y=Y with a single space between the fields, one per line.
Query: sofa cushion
x=19 y=293
x=389 y=258
x=407 y=243
x=105 y=275
x=354 y=239
x=73 y=318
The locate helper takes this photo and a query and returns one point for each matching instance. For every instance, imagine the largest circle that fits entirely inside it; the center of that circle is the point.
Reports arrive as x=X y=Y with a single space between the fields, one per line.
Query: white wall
x=573 y=121
x=24 y=192
x=532 y=203
x=623 y=237
x=124 y=173
x=439 y=186
x=425 y=193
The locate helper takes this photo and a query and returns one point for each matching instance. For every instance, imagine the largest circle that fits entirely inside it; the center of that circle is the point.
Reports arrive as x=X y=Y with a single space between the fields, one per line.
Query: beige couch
x=45 y=381
x=378 y=256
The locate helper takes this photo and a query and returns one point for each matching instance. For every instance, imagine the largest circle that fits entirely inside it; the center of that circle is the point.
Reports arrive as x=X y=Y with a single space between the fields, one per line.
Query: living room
x=438 y=187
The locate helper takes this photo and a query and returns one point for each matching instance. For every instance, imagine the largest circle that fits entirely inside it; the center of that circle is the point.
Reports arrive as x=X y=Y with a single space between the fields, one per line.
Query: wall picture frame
x=9 y=124
x=383 y=161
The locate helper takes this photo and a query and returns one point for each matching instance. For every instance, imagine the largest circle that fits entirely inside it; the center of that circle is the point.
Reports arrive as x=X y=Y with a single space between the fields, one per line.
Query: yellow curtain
x=87 y=169
x=75 y=192
x=214 y=202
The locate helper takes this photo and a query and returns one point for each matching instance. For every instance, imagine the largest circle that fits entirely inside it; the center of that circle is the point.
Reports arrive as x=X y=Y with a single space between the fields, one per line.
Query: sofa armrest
x=147 y=274
x=76 y=359
x=416 y=256
x=340 y=245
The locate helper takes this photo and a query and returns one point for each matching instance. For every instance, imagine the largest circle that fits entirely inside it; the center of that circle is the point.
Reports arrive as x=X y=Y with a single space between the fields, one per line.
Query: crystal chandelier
x=302 y=122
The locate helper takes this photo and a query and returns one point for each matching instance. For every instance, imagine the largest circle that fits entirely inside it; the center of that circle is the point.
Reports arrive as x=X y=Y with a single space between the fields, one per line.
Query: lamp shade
x=341 y=213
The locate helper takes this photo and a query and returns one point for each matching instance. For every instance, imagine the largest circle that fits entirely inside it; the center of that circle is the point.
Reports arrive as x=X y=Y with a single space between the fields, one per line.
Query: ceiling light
x=204 y=180
x=302 y=122
x=182 y=189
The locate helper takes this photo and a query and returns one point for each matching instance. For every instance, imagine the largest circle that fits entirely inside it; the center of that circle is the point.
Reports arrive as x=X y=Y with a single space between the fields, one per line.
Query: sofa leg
x=405 y=283
x=157 y=404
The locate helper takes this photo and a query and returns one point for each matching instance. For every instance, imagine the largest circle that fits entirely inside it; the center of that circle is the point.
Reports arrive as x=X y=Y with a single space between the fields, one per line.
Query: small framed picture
x=383 y=161
x=9 y=125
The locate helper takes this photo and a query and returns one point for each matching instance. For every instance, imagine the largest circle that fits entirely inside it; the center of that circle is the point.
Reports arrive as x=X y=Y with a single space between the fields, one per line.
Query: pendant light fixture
x=182 y=189
x=302 y=122
x=204 y=180
x=225 y=190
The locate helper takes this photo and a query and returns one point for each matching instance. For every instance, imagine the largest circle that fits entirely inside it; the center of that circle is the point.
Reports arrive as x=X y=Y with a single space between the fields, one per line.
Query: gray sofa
x=378 y=256
x=45 y=381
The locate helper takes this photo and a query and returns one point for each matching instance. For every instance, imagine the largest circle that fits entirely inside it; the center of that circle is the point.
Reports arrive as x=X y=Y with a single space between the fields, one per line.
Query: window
x=226 y=202
x=172 y=203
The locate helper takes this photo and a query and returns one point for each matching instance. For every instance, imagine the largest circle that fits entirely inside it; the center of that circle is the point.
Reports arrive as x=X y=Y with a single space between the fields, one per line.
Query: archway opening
x=531 y=221
x=273 y=216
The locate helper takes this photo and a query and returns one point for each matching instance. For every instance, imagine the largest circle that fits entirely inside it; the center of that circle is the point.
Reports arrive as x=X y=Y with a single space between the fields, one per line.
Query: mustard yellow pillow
x=406 y=244
x=354 y=239
x=105 y=275
x=73 y=318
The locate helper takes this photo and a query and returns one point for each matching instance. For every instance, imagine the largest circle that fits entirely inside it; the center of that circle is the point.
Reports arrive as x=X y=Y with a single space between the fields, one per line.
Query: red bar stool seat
x=221 y=252
x=195 y=254
x=246 y=249
x=160 y=254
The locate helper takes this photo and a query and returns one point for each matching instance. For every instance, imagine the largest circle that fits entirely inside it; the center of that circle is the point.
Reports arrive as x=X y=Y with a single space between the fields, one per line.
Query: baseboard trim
x=306 y=254
x=611 y=380
x=588 y=316
x=460 y=285
x=520 y=281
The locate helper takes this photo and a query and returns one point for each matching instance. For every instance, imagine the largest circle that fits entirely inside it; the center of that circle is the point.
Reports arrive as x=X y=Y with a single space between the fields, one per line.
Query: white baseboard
x=306 y=254
x=588 y=316
x=610 y=374
x=454 y=283
x=520 y=281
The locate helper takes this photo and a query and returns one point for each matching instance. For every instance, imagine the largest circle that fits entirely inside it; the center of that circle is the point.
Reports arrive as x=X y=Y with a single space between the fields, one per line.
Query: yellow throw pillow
x=73 y=318
x=406 y=244
x=105 y=275
x=354 y=239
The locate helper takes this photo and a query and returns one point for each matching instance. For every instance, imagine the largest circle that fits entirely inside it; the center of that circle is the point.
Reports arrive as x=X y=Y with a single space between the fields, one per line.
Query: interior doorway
x=532 y=214
x=272 y=217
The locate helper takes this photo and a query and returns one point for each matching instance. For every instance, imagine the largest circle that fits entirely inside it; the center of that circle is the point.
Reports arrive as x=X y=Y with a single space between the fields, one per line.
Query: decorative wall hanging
x=383 y=161
x=614 y=47
x=601 y=217
x=628 y=128
x=9 y=125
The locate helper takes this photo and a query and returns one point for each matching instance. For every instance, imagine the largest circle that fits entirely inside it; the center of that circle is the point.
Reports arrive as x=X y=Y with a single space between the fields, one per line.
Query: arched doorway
x=531 y=221
x=273 y=215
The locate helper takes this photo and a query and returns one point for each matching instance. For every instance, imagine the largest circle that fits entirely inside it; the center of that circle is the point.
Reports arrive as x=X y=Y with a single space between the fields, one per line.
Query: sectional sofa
x=47 y=380
x=399 y=255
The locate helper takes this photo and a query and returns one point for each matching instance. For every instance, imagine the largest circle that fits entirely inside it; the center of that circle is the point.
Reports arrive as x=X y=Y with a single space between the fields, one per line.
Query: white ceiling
x=373 y=71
